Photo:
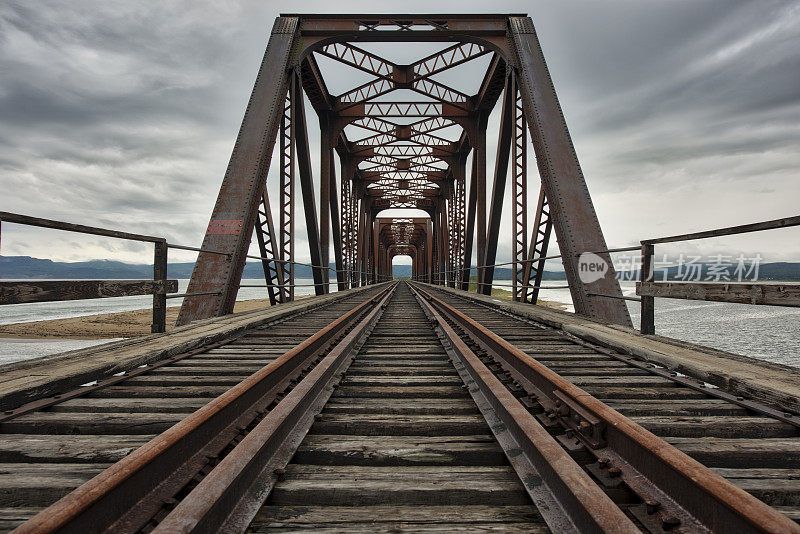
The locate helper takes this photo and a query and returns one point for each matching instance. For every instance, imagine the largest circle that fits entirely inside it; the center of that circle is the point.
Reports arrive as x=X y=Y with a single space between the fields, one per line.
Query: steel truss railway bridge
x=392 y=406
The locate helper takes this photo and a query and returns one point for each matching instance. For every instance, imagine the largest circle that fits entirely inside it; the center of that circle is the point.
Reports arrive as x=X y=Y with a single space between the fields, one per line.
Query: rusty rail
x=680 y=489
x=125 y=496
x=566 y=496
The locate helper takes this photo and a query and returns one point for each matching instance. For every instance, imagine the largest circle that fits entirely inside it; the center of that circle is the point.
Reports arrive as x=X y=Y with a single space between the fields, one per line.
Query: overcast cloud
x=685 y=114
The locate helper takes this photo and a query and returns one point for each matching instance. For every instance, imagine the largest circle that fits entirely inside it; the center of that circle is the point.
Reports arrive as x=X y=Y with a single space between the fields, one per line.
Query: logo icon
x=591 y=267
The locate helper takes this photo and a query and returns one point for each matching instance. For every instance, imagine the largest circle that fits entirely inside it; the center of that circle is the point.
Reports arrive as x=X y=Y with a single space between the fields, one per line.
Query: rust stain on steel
x=224 y=227
x=724 y=495
x=60 y=514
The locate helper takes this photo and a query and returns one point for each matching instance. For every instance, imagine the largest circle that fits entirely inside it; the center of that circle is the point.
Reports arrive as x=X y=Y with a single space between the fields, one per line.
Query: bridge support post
x=307 y=184
x=233 y=218
x=499 y=185
x=574 y=218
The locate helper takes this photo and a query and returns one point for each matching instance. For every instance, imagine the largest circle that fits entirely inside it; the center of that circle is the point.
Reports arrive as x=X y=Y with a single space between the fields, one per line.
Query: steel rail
x=231 y=495
x=125 y=496
x=566 y=496
x=685 y=491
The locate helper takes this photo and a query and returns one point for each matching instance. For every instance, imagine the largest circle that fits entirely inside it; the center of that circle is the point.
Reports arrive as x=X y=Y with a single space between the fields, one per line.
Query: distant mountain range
x=16 y=267
x=28 y=267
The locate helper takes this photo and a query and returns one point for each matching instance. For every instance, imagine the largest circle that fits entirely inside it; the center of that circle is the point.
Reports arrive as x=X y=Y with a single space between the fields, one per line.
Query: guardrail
x=761 y=294
x=22 y=292
x=648 y=289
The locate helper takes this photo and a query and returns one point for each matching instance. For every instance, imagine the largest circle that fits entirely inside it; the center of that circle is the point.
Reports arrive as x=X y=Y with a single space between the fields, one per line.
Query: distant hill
x=28 y=267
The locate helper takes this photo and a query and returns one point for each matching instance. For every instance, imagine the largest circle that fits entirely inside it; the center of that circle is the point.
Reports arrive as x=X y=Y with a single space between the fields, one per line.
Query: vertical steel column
x=429 y=252
x=325 y=198
x=520 y=198
x=233 y=218
x=307 y=182
x=287 y=200
x=540 y=238
x=574 y=217
x=499 y=185
x=480 y=218
x=469 y=233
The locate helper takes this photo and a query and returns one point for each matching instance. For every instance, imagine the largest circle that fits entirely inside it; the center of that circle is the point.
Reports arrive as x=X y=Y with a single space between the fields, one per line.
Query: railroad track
x=753 y=446
x=51 y=446
x=402 y=414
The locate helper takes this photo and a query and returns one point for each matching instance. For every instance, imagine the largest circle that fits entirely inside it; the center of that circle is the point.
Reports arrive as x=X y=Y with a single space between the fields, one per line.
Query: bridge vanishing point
x=391 y=406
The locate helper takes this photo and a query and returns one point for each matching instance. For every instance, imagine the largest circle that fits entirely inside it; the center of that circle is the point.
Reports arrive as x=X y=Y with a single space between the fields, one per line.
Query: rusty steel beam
x=307 y=183
x=499 y=185
x=233 y=218
x=574 y=218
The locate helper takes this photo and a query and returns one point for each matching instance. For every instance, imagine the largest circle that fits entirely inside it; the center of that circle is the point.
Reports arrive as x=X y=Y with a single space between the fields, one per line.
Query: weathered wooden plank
x=122 y=405
x=399 y=424
x=401 y=371
x=403 y=526
x=90 y=423
x=636 y=407
x=620 y=381
x=607 y=393
x=149 y=380
x=372 y=380
x=153 y=392
x=398 y=485
x=28 y=485
x=400 y=392
x=48 y=448
x=733 y=452
x=53 y=290
x=207 y=370
x=776 y=487
x=742 y=293
x=716 y=426
x=407 y=406
x=439 y=450
x=11 y=518
x=476 y=518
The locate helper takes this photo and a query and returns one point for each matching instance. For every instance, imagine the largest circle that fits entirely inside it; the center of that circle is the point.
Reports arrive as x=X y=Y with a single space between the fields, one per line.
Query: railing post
x=160 y=295
x=647 y=274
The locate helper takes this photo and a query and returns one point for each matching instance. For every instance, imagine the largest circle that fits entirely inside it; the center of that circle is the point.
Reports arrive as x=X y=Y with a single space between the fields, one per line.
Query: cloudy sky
x=685 y=114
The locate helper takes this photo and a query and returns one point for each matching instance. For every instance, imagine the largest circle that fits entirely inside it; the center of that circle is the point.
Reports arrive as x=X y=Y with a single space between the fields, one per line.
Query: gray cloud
x=686 y=115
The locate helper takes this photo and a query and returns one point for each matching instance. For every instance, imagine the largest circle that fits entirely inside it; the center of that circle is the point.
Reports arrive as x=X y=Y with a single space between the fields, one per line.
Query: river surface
x=766 y=332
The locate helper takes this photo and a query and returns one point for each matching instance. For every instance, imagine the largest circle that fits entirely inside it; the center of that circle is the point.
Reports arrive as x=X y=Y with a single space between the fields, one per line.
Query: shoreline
x=113 y=325
x=125 y=324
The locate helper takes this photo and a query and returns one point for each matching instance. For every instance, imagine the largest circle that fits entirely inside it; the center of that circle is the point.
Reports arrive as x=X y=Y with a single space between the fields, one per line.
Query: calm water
x=769 y=333
x=766 y=332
